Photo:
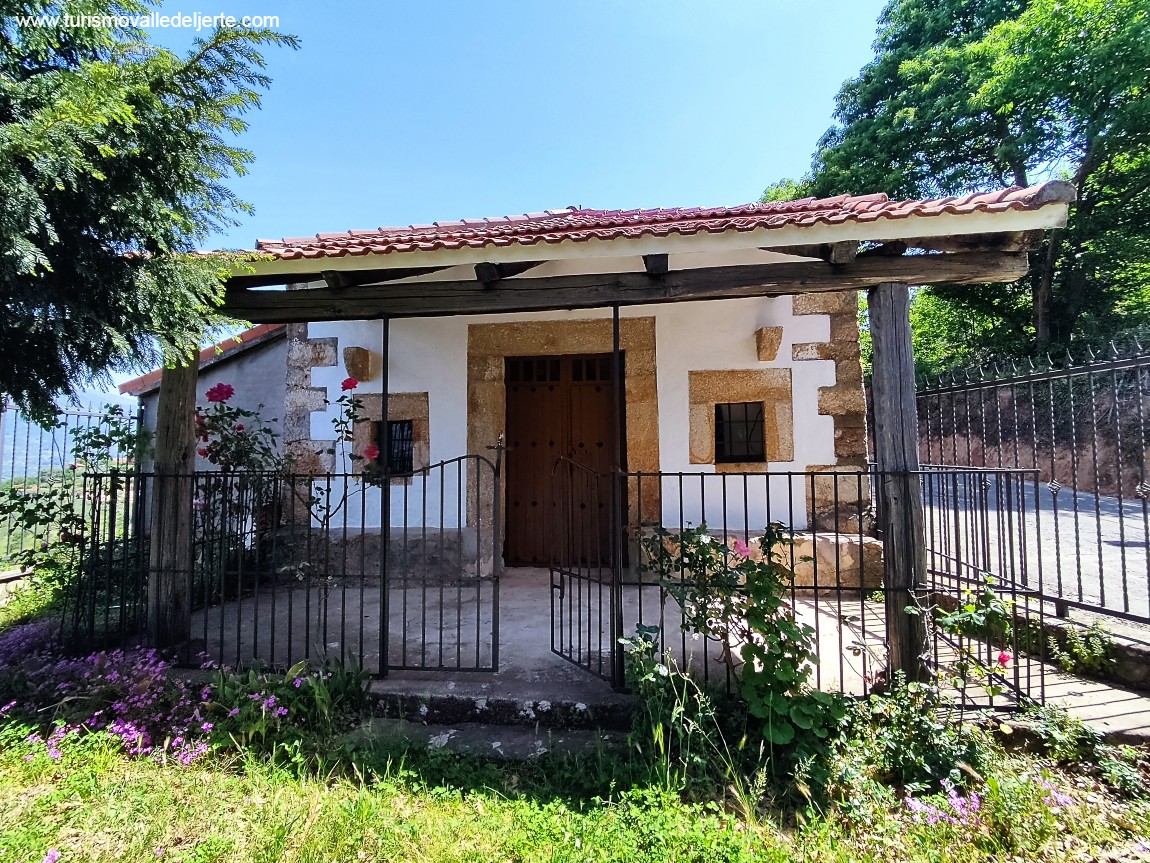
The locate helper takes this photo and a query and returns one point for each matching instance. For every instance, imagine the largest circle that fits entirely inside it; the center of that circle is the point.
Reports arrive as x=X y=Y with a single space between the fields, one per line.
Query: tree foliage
x=971 y=95
x=114 y=157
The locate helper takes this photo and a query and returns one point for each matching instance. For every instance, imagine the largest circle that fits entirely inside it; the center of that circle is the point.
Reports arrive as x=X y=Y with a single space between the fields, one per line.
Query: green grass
x=27 y=603
x=95 y=804
x=415 y=804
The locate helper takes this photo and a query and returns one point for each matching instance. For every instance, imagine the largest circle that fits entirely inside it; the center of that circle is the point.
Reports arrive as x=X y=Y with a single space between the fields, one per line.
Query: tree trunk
x=1041 y=292
x=170 y=560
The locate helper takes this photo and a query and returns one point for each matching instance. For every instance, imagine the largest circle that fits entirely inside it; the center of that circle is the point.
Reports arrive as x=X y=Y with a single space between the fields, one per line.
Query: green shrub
x=301 y=712
x=905 y=737
x=1072 y=743
x=734 y=597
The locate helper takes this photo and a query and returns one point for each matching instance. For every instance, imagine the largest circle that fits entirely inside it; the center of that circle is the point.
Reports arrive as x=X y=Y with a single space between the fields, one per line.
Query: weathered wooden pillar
x=170 y=556
x=896 y=455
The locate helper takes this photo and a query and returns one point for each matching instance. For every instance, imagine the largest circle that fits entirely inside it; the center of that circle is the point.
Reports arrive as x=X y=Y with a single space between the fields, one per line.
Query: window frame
x=400 y=469
x=724 y=440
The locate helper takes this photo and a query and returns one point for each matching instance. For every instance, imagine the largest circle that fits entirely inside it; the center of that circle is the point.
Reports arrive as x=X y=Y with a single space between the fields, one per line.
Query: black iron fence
x=404 y=574
x=649 y=578
x=39 y=461
x=389 y=572
x=1081 y=425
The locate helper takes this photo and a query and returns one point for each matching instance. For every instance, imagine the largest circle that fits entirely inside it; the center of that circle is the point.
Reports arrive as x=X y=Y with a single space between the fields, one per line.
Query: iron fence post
x=618 y=525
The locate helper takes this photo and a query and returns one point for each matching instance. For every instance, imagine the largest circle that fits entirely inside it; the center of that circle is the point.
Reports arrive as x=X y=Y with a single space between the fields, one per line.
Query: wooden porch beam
x=335 y=278
x=430 y=299
x=1015 y=241
x=489 y=273
x=656 y=265
x=832 y=253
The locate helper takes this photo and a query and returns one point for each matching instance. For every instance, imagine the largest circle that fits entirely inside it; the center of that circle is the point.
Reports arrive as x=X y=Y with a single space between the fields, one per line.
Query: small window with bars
x=739 y=433
x=399 y=446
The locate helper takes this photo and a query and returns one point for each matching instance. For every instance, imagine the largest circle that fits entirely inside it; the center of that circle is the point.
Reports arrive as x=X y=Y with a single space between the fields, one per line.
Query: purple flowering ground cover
x=132 y=695
x=150 y=708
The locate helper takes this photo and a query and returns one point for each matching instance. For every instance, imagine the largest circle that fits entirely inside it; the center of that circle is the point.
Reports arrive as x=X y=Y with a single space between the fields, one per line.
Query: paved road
x=1080 y=546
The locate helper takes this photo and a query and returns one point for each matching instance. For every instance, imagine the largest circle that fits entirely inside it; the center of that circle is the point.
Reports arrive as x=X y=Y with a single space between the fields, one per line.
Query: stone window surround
x=400 y=406
x=771 y=387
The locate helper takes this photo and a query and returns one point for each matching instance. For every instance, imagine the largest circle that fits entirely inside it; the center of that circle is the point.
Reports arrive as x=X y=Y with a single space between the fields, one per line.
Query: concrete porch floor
x=449 y=628
x=535 y=685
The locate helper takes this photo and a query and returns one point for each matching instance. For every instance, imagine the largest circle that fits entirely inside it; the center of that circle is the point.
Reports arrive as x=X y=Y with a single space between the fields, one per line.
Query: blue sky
x=393 y=113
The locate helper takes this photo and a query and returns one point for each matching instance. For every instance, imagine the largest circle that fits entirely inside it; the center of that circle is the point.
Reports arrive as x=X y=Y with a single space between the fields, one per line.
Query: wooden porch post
x=385 y=499
x=170 y=556
x=896 y=453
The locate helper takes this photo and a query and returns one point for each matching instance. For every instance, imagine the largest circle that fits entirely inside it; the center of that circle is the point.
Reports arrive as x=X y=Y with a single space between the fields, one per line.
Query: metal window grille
x=739 y=436
x=400 y=445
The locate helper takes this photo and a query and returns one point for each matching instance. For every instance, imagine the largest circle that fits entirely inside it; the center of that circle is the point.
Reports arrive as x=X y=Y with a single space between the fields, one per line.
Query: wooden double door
x=561 y=420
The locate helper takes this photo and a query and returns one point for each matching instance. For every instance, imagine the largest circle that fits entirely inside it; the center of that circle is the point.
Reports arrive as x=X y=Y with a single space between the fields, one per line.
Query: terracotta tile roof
x=210 y=356
x=579 y=225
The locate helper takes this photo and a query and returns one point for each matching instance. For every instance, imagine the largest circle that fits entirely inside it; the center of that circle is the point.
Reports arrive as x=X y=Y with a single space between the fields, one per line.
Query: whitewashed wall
x=430 y=355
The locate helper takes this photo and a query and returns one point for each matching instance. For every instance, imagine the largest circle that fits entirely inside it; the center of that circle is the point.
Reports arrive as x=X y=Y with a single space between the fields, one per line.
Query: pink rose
x=1004 y=658
x=220 y=393
x=349 y=384
x=371 y=452
x=741 y=548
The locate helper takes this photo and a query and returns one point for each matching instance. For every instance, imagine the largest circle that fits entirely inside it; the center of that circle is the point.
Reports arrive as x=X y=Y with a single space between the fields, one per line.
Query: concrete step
x=500 y=741
x=453 y=709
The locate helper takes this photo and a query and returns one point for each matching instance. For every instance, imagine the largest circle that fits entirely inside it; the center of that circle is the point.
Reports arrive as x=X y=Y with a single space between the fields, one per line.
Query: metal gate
x=389 y=572
x=586 y=571
x=38 y=460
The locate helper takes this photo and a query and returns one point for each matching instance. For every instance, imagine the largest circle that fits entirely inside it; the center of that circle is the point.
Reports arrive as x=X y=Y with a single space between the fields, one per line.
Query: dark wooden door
x=558 y=407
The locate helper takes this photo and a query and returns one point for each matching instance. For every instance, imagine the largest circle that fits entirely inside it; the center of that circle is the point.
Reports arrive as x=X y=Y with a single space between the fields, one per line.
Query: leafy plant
x=739 y=600
x=1083 y=651
x=234 y=438
x=906 y=736
x=673 y=716
x=981 y=619
x=301 y=708
x=1071 y=742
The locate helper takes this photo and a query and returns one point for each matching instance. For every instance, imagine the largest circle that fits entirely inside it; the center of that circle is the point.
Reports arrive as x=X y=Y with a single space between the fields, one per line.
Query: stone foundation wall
x=819 y=560
x=428 y=555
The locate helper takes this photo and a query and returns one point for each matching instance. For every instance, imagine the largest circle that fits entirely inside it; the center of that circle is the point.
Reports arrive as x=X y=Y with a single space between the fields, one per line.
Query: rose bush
x=234 y=438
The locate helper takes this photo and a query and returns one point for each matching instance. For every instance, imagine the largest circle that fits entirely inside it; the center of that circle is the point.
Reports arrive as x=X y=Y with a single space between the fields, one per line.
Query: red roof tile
x=580 y=225
x=209 y=356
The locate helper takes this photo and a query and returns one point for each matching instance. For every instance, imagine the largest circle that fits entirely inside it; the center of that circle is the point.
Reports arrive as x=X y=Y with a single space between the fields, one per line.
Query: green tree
x=114 y=154
x=969 y=95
